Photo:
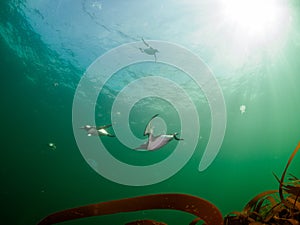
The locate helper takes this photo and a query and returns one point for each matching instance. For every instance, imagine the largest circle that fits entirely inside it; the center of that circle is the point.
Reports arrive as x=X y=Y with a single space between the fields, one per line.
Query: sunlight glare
x=254 y=17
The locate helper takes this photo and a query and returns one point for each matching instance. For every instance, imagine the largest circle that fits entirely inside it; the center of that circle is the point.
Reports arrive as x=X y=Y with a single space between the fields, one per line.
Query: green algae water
x=47 y=48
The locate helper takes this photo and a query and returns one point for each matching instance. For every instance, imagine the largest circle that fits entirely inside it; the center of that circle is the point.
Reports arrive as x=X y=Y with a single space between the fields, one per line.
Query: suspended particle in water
x=243 y=109
x=52 y=146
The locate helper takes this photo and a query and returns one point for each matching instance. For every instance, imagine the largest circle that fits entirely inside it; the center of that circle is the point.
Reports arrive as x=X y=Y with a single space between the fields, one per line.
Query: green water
x=46 y=46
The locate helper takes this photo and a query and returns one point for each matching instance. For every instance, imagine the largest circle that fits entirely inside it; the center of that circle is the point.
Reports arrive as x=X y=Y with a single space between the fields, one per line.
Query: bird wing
x=104 y=126
x=149 y=127
x=145 y=42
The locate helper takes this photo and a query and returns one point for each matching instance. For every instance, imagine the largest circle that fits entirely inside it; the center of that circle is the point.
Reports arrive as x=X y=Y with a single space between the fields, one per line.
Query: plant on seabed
x=272 y=207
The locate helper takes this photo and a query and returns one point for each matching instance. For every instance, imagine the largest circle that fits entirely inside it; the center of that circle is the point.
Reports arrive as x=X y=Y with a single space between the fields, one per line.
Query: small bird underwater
x=97 y=130
x=149 y=50
x=156 y=142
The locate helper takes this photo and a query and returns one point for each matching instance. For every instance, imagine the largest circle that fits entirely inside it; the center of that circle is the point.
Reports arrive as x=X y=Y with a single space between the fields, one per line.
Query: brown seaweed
x=199 y=207
x=269 y=209
x=281 y=185
x=145 y=222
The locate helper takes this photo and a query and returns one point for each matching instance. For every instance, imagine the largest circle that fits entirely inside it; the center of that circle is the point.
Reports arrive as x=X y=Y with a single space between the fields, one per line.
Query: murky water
x=46 y=48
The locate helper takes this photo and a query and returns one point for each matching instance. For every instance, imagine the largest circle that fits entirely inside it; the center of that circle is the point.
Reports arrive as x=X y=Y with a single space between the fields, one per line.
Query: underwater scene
x=150 y=112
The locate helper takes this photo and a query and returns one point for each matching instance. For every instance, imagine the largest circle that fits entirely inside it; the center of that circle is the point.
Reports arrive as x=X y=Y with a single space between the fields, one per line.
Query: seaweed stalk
x=182 y=202
x=283 y=175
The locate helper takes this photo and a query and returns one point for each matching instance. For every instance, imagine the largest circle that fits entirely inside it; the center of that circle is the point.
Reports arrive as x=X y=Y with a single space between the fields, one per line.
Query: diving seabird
x=97 y=131
x=156 y=142
x=149 y=50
